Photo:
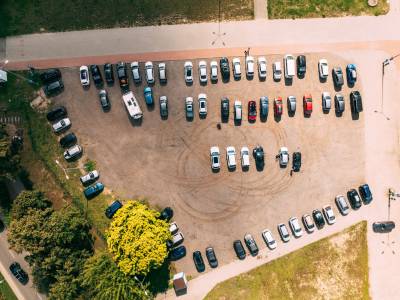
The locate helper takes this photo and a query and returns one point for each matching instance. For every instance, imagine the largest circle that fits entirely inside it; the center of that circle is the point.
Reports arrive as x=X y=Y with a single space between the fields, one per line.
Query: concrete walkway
x=260 y=9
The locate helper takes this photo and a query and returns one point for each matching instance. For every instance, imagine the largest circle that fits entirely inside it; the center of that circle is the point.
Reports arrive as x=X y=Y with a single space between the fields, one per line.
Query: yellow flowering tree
x=137 y=239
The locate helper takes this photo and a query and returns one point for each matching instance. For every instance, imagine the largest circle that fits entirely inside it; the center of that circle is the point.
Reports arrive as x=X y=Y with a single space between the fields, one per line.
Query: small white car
x=262 y=67
x=61 y=125
x=137 y=78
x=214 y=70
x=268 y=239
x=323 y=68
x=284 y=233
x=231 y=157
x=188 y=68
x=202 y=105
x=342 y=205
x=214 y=155
x=326 y=101
x=149 y=72
x=162 y=72
x=177 y=239
x=245 y=157
x=283 y=156
x=173 y=228
x=89 y=177
x=238 y=110
x=308 y=223
x=277 y=70
x=84 y=76
x=237 y=73
x=295 y=226
x=202 y=71
x=72 y=152
x=249 y=66
x=329 y=215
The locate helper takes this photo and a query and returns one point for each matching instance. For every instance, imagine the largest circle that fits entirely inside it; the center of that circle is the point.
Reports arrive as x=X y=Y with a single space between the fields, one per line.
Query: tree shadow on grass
x=158 y=279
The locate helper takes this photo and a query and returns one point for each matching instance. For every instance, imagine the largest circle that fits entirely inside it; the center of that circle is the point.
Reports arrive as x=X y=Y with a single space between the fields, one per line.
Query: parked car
x=337 y=76
x=249 y=66
x=326 y=101
x=90 y=177
x=339 y=103
x=188 y=68
x=189 y=108
x=383 y=227
x=68 y=140
x=296 y=163
x=113 y=208
x=104 y=100
x=284 y=233
x=354 y=199
x=258 y=153
x=289 y=66
x=237 y=73
x=202 y=71
x=264 y=107
x=351 y=72
x=323 y=68
x=173 y=228
x=252 y=111
x=277 y=70
x=177 y=253
x=50 y=76
x=19 y=273
x=53 y=88
x=148 y=95
x=342 y=205
x=262 y=67
x=202 y=105
x=238 y=111
x=268 y=239
x=84 y=76
x=198 y=261
x=162 y=73
x=225 y=109
x=318 y=218
x=231 y=157
x=96 y=75
x=212 y=259
x=166 y=214
x=176 y=240
x=163 y=106
x=329 y=215
x=73 y=152
x=149 y=71
x=356 y=102
x=283 y=156
x=122 y=75
x=301 y=65
x=213 y=71
x=137 y=78
x=278 y=107
x=251 y=244
x=239 y=249
x=215 y=160
x=61 y=125
x=291 y=104
x=224 y=66
x=57 y=113
x=245 y=157
x=109 y=73
x=308 y=223
x=307 y=104
x=365 y=193
x=93 y=190
x=295 y=226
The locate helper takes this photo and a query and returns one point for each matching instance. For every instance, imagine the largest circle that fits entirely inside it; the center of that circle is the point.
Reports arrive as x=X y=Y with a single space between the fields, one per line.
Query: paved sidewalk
x=260 y=9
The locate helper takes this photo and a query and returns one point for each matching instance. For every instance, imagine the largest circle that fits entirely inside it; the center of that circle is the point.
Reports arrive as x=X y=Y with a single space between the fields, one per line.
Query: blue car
x=351 y=72
x=113 y=208
x=93 y=190
x=148 y=96
x=365 y=193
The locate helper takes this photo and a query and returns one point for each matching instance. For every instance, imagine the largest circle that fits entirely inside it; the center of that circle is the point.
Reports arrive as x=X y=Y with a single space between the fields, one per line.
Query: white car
x=230 y=157
x=214 y=70
x=284 y=233
x=249 y=66
x=61 y=125
x=326 y=101
x=236 y=68
x=84 y=75
x=149 y=72
x=245 y=157
x=342 y=205
x=188 y=68
x=137 y=78
x=268 y=239
x=177 y=239
x=323 y=68
x=162 y=72
x=72 y=152
x=283 y=156
x=262 y=67
x=89 y=177
x=202 y=105
x=329 y=215
x=173 y=228
x=202 y=71
x=277 y=70
x=214 y=155
x=238 y=110
x=289 y=66
x=295 y=226
x=308 y=223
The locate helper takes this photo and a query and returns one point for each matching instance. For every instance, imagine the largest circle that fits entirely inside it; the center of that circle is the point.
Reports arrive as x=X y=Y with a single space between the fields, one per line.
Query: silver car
x=326 y=101
x=284 y=233
x=342 y=205
x=329 y=215
x=291 y=104
x=295 y=226
x=308 y=223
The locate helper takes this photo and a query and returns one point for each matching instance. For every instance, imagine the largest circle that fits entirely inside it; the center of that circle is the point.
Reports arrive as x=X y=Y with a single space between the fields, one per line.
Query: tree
x=137 y=239
x=9 y=163
x=27 y=200
x=103 y=280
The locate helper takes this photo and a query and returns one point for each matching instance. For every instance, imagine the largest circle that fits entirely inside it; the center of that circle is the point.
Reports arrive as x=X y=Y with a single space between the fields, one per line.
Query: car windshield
x=215 y=159
x=188 y=72
x=202 y=104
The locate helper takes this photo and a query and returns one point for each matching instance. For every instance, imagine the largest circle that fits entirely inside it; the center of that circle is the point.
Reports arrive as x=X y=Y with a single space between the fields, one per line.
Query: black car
x=383 y=227
x=50 y=76
x=224 y=65
x=251 y=244
x=19 y=273
x=53 y=88
x=339 y=103
x=113 y=208
x=301 y=65
x=258 y=154
x=296 y=161
x=68 y=140
x=177 y=253
x=354 y=199
x=122 y=75
x=109 y=73
x=166 y=214
x=264 y=107
x=225 y=108
x=356 y=102
x=198 y=261
x=337 y=76
x=239 y=249
x=57 y=113
x=365 y=193
x=96 y=75
x=212 y=259
x=318 y=218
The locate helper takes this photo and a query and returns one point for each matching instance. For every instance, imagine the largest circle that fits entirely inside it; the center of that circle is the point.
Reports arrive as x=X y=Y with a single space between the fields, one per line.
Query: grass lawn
x=6 y=292
x=27 y=16
x=286 y=9
x=333 y=268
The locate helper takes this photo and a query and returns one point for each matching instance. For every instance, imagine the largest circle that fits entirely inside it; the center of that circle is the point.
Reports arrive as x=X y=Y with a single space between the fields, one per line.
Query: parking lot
x=167 y=161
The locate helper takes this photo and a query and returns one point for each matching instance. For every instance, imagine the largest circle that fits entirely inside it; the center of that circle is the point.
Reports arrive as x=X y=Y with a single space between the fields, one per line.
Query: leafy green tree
x=137 y=239
x=28 y=200
x=9 y=164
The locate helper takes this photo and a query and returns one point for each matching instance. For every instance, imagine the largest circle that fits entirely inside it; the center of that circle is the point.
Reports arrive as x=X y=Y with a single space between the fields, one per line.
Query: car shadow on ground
x=158 y=279
x=135 y=122
x=288 y=81
x=338 y=114
x=337 y=88
x=150 y=107
x=277 y=118
x=322 y=80
x=355 y=116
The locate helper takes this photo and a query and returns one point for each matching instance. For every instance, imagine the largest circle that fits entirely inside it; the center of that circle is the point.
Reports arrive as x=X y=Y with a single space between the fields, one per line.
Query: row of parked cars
x=52 y=82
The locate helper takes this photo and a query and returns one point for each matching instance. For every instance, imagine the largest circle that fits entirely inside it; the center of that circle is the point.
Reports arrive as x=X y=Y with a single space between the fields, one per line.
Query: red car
x=307 y=104
x=278 y=108
x=252 y=110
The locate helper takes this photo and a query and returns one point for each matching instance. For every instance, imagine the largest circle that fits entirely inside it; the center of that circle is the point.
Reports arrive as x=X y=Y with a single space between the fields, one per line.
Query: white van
x=238 y=110
x=289 y=66
x=132 y=106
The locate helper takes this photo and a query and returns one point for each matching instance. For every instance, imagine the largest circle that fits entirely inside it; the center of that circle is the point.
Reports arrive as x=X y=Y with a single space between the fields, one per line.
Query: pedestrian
x=291 y=173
